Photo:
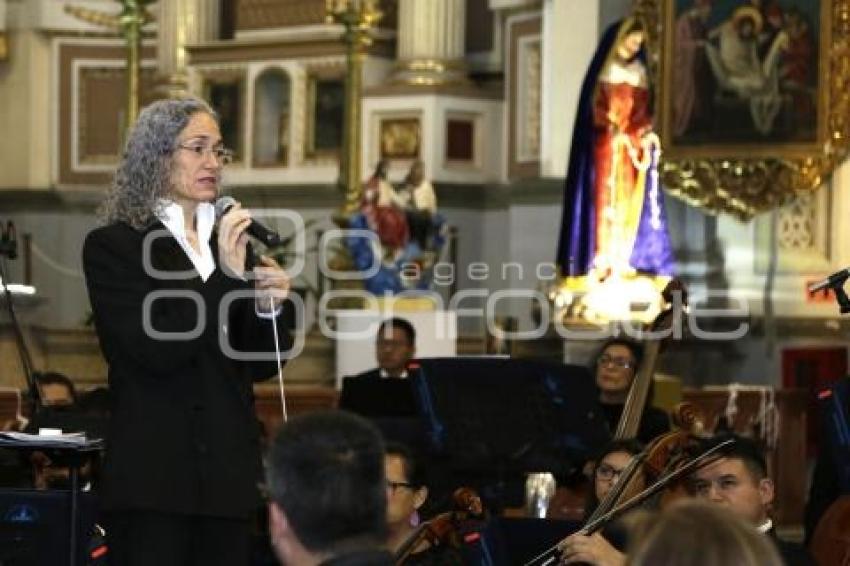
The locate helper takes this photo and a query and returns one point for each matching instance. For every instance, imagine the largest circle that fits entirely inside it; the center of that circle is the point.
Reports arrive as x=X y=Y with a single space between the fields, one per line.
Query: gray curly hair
x=144 y=174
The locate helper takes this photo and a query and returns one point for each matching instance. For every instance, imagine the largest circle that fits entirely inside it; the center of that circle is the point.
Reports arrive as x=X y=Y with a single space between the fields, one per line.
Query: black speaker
x=34 y=527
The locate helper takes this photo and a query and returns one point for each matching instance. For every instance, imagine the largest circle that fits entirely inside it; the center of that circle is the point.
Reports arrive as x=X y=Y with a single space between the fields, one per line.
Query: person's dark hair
x=744 y=449
x=402 y=325
x=326 y=473
x=413 y=471
x=143 y=176
x=54 y=378
x=628 y=445
x=696 y=533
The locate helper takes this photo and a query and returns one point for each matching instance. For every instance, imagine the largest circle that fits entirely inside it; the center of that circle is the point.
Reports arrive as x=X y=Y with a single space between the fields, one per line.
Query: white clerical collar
x=171 y=214
x=765 y=527
x=385 y=375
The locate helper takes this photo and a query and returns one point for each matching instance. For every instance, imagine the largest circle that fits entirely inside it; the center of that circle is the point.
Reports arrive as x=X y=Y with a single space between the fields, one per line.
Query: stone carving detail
x=796 y=224
x=265 y=14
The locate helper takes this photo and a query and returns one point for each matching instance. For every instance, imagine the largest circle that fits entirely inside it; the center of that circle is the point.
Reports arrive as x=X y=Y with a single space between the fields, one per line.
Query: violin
x=666 y=462
x=444 y=529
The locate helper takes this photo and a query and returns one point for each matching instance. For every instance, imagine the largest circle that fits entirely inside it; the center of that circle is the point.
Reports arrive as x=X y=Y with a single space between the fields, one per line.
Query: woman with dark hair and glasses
x=180 y=310
x=406 y=494
x=615 y=367
x=605 y=548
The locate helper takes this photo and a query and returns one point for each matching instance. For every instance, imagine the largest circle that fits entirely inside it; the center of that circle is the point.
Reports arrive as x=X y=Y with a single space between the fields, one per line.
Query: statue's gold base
x=618 y=297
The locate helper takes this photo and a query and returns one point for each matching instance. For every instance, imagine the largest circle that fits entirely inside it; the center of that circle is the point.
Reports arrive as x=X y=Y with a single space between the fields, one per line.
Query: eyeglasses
x=394 y=485
x=222 y=155
x=622 y=363
x=607 y=472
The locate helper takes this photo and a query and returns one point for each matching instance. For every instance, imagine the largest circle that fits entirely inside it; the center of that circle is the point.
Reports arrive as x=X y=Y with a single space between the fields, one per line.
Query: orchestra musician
x=603 y=548
x=615 y=368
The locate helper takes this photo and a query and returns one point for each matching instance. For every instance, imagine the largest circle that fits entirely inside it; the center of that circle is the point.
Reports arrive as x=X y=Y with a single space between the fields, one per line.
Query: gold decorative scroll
x=747 y=181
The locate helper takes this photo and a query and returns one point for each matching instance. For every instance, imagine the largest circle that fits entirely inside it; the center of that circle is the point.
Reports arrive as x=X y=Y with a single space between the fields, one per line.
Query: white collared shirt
x=204 y=263
x=386 y=375
x=172 y=216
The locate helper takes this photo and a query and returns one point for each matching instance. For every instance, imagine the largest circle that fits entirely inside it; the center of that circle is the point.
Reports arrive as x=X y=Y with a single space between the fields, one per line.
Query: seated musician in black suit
x=615 y=368
x=384 y=394
x=738 y=480
x=395 y=346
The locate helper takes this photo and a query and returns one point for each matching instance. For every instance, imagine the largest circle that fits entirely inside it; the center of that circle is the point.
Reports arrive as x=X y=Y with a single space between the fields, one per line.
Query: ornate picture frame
x=739 y=172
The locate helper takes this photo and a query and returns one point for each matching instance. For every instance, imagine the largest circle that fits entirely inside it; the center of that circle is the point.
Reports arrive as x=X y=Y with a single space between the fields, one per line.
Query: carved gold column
x=359 y=18
x=431 y=39
x=181 y=23
x=129 y=23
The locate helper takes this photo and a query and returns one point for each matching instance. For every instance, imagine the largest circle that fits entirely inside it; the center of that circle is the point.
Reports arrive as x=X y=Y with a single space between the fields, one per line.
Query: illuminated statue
x=614 y=223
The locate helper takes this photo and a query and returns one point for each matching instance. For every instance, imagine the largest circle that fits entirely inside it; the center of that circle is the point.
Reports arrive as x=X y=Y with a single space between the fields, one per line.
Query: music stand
x=511 y=417
x=69 y=453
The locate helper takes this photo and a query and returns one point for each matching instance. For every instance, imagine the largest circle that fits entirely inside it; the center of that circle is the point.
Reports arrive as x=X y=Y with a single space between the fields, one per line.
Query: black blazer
x=183 y=435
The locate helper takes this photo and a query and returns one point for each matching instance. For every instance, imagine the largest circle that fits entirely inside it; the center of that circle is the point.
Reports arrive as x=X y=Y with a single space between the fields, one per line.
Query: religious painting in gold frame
x=225 y=92
x=401 y=138
x=754 y=147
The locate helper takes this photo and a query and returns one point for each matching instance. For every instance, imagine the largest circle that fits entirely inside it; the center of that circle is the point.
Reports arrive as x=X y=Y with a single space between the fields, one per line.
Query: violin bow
x=549 y=555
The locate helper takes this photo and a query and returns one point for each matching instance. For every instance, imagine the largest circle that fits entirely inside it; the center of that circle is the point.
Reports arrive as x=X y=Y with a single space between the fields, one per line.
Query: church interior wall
x=25 y=112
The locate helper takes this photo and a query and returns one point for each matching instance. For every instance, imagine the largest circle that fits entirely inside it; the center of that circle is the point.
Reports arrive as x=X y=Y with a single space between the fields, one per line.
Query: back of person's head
x=326 y=474
x=402 y=325
x=693 y=533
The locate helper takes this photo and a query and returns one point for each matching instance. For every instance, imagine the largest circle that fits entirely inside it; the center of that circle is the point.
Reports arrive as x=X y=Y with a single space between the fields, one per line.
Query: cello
x=675 y=299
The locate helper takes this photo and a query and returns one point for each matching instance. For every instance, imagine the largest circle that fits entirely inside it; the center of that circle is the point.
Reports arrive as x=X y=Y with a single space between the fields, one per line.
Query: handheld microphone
x=265 y=235
x=836 y=278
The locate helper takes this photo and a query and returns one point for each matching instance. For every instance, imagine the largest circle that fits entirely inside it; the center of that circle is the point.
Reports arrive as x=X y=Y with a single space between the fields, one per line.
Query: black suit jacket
x=792 y=554
x=183 y=435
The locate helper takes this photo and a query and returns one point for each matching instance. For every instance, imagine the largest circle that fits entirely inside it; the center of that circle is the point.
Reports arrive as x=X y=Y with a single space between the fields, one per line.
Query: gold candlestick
x=359 y=18
x=129 y=23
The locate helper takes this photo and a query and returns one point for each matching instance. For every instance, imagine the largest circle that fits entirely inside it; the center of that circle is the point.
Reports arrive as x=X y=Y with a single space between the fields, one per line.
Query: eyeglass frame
x=620 y=363
x=222 y=155
x=604 y=469
x=394 y=485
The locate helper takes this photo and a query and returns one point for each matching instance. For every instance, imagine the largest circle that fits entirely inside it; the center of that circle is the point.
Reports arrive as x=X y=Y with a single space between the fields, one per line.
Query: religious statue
x=408 y=229
x=383 y=209
x=614 y=223
x=420 y=203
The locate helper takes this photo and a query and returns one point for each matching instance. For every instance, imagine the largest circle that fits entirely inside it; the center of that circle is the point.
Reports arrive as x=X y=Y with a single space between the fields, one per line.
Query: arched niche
x=271 y=118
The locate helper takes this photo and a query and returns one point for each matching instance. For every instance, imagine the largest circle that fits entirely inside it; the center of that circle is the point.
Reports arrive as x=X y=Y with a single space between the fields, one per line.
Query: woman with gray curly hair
x=168 y=287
